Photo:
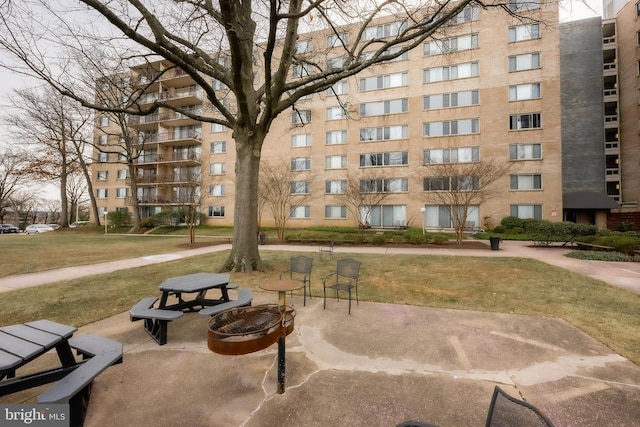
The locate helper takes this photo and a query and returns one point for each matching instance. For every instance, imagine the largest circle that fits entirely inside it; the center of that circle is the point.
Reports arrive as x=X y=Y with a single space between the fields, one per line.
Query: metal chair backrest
x=301 y=264
x=507 y=411
x=348 y=268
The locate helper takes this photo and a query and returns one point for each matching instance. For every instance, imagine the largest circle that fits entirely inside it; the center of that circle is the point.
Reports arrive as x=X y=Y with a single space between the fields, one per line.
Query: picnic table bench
x=24 y=343
x=172 y=305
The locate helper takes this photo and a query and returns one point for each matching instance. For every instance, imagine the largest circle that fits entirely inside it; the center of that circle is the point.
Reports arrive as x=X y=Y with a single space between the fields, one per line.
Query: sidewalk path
x=621 y=274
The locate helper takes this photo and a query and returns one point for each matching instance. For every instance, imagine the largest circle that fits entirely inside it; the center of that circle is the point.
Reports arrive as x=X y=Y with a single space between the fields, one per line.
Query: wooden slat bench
x=75 y=387
x=155 y=319
x=244 y=299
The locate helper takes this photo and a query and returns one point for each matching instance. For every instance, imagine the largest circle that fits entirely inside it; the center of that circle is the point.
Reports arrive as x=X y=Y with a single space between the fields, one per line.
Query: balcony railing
x=167 y=179
x=156 y=200
x=180 y=93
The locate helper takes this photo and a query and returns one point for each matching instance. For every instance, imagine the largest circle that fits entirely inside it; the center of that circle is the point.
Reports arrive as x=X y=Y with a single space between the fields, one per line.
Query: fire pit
x=246 y=330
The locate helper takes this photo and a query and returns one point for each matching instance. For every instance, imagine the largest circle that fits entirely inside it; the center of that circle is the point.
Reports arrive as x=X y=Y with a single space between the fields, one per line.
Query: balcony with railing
x=154 y=200
x=176 y=78
x=181 y=96
x=167 y=179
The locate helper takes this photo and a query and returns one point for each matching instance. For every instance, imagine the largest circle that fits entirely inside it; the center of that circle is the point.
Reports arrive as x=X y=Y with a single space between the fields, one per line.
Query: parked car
x=54 y=226
x=38 y=228
x=8 y=228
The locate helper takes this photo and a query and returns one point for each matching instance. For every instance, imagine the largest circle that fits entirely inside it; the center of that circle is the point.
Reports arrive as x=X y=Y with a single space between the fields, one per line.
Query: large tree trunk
x=244 y=254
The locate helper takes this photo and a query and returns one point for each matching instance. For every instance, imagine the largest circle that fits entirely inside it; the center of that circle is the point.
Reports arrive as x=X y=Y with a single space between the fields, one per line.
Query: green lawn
x=506 y=285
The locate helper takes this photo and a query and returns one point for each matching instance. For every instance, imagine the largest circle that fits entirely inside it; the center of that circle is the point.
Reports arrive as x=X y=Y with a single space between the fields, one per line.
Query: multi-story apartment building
x=621 y=32
x=490 y=87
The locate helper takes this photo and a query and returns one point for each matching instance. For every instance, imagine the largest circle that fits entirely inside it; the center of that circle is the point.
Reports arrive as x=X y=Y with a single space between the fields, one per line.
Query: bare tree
x=50 y=127
x=460 y=186
x=281 y=190
x=189 y=197
x=249 y=48
x=77 y=189
x=11 y=179
x=361 y=194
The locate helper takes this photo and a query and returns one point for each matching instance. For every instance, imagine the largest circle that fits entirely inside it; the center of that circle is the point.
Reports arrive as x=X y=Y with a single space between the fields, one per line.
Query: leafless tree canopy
x=253 y=50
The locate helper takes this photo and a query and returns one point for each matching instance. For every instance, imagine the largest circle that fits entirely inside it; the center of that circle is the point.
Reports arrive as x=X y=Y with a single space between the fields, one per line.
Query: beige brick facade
x=492 y=100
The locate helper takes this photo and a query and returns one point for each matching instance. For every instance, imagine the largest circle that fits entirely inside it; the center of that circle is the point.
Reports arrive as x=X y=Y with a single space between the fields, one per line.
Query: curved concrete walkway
x=381 y=365
x=625 y=275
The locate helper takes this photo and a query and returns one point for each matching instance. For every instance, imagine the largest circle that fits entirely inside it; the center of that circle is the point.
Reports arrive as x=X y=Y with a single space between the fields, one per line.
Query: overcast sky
x=570 y=10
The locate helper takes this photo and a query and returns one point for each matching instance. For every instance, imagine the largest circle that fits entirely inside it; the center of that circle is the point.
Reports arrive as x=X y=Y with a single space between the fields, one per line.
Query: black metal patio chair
x=328 y=248
x=504 y=411
x=300 y=269
x=507 y=411
x=346 y=278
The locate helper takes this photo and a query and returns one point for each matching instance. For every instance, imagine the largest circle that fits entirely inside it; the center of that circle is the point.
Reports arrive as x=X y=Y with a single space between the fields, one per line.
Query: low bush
x=510 y=222
x=599 y=256
x=379 y=239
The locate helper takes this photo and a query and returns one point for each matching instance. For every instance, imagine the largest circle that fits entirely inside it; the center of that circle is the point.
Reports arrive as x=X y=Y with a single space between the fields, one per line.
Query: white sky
x=569 y=11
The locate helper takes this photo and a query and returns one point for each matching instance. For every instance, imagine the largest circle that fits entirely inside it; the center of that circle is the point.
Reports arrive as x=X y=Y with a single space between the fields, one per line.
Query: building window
x=103 y=157
x=335 y=187
x=385 y=133
x=304 y=46
x=455 y=99
x=102 y=175
x=384 y=82
x=302 y=70
x=123 y=173
x=451 y=155
x=384 y=215
x=387 y=30
x=389 y=185
x=340 y=88
x=454 y=44
x=469 y=14
x=638 y=10
x=453 y=127
x=216 y=211
x=451 y=183
x=335 y=212
x=526 y=182
x=334 y=63
x=302 y=140
x=440 y=216
x=218 y=147
x=524 y=32
x=523 y=5
x=301 y=117
x=526 y=211
x=336 y=113
x=216 y=190
x=123 y=157
x=528 y=61
x=524 y=92
x=300 y=212
x=334 y=40
x=365 y=56
x=525 y=152
x=102 y=193
x=217 y=168
x=380 y=108
x=300 y=187
x=394 y=158
x=451 y=72
x=301 y=164
x=122 y=192
x=336 y=137
x=525 y=121
x=103 y=139
x=335 y=162
x=104 y=121
x=217 y=127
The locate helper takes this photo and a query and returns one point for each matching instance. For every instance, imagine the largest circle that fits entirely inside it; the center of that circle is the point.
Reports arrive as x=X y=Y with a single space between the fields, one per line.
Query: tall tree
x=52 y=128
x=248 y=48
x=362 y=193
x=11 y=179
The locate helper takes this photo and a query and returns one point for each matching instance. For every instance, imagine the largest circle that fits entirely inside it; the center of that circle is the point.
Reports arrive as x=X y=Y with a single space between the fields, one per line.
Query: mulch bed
x=466 y=244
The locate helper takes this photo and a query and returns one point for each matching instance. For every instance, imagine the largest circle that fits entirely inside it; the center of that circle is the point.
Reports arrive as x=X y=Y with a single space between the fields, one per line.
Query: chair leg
x=349 y=300
x=324 y=293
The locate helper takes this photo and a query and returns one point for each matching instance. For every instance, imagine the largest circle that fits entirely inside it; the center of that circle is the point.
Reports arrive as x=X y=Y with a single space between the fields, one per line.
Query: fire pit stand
x=282 y=286
x=244 y=330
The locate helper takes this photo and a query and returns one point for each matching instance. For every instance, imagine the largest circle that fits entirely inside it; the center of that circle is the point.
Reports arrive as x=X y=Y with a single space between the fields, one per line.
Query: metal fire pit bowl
x=246 y=330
